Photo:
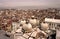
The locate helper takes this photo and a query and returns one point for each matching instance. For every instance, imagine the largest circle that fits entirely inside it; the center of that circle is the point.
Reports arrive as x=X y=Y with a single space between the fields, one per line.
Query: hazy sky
x=15 y=3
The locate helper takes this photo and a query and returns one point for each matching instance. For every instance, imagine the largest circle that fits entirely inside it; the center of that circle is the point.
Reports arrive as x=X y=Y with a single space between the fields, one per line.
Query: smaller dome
x=44 y=26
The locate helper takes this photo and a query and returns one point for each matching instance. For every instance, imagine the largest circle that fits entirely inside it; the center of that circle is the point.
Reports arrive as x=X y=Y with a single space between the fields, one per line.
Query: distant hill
x=29 y=7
